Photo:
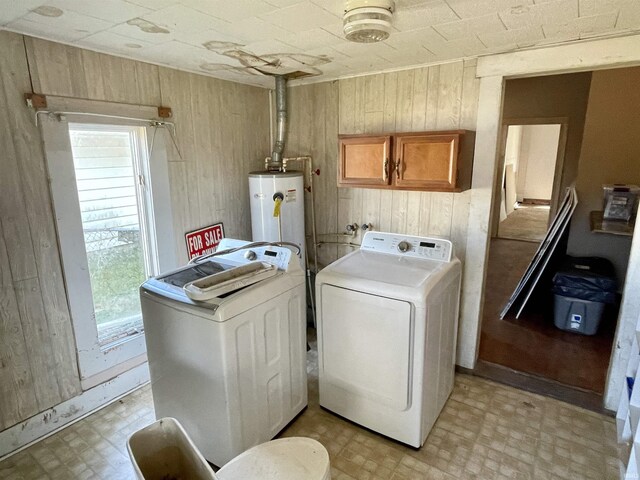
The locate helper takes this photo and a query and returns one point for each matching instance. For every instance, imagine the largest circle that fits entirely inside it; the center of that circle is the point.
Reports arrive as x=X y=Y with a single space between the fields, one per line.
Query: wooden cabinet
x=434 y=161
x=364 y=160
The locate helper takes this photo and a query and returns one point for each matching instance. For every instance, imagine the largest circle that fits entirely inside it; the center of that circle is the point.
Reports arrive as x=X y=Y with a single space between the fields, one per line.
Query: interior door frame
x=558 y=169
x=590 y=55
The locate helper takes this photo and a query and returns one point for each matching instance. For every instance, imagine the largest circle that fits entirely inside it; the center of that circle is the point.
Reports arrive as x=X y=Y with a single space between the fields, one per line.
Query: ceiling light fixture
x=368 y=21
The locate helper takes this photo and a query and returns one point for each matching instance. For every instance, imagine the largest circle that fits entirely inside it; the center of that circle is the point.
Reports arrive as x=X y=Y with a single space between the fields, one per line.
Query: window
x=110 y=164
x=114 y=222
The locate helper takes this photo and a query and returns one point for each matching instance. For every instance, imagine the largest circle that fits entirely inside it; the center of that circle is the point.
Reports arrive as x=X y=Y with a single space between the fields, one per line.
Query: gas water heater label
x=290 y=196
x=204 y=240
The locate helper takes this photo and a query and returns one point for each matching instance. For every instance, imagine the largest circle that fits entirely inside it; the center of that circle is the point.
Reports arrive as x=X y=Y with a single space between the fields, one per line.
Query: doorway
x=531 y=349
x=532 y=159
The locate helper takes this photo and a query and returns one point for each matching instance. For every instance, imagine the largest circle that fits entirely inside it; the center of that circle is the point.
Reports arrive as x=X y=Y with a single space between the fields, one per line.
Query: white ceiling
x=224 y=38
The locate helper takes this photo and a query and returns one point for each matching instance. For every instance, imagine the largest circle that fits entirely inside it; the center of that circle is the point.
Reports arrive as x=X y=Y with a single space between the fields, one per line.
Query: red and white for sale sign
x=204 y=240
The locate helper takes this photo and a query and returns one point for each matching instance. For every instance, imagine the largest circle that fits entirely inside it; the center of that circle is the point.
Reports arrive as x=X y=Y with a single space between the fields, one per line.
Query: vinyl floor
x=486 y=431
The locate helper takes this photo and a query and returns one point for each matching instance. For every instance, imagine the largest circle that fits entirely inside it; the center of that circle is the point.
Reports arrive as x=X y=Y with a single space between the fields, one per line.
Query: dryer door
x=366 y=345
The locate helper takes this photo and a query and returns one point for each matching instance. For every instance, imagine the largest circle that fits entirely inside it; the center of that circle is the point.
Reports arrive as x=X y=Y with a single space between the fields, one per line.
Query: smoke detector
x=368 y=21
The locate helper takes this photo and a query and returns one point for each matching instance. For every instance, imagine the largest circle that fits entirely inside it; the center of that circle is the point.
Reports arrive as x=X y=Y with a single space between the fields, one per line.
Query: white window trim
x=99 y=363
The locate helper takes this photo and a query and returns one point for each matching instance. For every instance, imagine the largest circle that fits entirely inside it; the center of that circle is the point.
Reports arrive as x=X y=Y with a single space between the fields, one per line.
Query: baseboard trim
x=46 y=423
x=542 y=386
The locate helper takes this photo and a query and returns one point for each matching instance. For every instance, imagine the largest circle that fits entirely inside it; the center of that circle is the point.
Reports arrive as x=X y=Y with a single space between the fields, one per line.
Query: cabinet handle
x=385 y=170
x=398 y=171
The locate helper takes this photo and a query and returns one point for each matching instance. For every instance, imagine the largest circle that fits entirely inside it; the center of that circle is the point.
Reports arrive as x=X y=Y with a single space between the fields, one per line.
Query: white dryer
x=387 y=328
x=231 y=364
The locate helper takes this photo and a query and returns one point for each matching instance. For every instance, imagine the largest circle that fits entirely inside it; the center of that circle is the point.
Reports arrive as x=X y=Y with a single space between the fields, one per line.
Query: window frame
x=98 y=363
x=144 y=199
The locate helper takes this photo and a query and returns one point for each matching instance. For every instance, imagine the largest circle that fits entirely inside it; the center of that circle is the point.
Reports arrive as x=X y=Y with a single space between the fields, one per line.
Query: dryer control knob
x=250 y=255
x=404 y=246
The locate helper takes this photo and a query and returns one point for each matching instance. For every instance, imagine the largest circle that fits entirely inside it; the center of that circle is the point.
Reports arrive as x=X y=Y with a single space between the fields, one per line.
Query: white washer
x=231 y=369
x=387 y=327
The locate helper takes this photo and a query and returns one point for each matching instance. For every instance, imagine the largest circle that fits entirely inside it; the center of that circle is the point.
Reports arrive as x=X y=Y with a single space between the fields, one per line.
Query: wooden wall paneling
x=359 y=105
x=389 y=103
x=72 y=72
x=347 y=96
x=330 y=93
x=147 y=84
x=39 y=215
x=56 y=69
x=425 y=213
x=175 y=89
x=317 y=148
x=374 y=100
x=255 y=123
x=384 y=216
x=214 y=157
x=307 y=121
x=230 y=154
x=310 y=121
x=459 y=220
x=440 y=214
x=237 y=193
x=431 y=119
x=470 y=88
x=205 y=158
x=374 y=121
x=257 y=113
x=313 y=130
x=17 y=394
x=227 y=159
x=191 y=157
x=468 y=114
x=399 y=200
x=295 y=105
x=419 y=108
x=12 y=207
x=180 y=207
x=39 y=347
x=414 y=217
x=119 y=79
x=176 y=92
x=94 y=80
x=345 y=198
x=449 y=96
x=404 y=101
x=46 y=319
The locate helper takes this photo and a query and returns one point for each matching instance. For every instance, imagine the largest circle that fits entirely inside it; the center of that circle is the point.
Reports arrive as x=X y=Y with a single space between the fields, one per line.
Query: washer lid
x=295 y=458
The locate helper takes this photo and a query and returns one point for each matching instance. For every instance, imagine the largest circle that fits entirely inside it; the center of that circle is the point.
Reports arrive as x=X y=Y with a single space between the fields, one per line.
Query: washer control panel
x=278 y=256
x=408 y=246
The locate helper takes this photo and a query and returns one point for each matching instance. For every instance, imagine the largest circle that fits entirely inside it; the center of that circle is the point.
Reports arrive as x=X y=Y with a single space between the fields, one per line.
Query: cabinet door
x=364 y=160
x=427 y=161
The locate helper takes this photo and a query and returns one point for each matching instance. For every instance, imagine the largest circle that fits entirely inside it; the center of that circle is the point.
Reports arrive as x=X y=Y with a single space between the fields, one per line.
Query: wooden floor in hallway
x=532 y=344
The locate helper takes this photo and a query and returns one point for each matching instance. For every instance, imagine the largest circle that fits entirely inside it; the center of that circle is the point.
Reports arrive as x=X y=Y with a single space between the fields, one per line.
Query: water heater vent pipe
x=275 y=163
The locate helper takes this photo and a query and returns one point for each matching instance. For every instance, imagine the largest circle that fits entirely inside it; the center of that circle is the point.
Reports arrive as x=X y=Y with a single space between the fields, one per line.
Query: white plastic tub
x=164 y=451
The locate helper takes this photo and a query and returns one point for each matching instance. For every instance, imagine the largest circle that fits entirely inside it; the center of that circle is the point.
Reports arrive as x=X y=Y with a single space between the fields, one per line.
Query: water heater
x=265 y=188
